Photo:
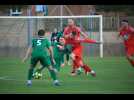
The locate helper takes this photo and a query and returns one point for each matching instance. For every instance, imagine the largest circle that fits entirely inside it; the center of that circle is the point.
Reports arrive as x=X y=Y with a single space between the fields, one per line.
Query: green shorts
x=45 y=61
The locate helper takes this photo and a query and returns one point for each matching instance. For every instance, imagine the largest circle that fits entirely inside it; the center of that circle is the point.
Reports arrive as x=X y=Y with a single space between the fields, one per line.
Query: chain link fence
x=14 y=34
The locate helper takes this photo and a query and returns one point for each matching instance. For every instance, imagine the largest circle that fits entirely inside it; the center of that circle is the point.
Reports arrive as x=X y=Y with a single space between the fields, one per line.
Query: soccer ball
x=79 y=71
x=37 y=75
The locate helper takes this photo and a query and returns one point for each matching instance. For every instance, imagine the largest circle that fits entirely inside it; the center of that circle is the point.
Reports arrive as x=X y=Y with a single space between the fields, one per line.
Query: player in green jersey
x=41 y=51
x=59 y=50
x=58 y=53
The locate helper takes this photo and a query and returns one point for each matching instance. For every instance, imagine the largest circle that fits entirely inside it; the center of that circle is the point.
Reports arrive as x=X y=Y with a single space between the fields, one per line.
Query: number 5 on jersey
x=38 y=42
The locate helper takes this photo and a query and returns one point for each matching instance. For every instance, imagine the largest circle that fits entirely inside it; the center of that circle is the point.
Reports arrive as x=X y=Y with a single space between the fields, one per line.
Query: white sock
x=92 y=71
x=56 y=81
x=80 y=69
x=29 y=81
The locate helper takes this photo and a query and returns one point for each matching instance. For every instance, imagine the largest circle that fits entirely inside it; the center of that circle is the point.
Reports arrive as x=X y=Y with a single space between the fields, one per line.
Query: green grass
x=114 y=75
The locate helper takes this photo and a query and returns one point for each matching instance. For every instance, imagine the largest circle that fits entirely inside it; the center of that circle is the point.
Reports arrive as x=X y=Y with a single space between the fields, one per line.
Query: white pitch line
x=6 y=78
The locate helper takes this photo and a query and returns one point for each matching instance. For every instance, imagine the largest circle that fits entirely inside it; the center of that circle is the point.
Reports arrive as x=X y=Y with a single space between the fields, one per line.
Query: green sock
x=62 y=58
x=58 y=63
x=67 y=57
x=53 y=74
x=30 y=73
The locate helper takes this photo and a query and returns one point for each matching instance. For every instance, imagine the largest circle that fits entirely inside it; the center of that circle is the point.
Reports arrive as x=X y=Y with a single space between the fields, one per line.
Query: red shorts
x=130 y=50
x=129 y=47
x=77 y=62
x=77 y=51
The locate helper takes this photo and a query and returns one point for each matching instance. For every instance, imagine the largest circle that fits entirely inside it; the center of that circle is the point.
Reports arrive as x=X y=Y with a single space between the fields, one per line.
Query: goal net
x=18 y=31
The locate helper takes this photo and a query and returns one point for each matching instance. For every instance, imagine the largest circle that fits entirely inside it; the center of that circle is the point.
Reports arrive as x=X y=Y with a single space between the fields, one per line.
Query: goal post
x=101 y=37
x=84 y=21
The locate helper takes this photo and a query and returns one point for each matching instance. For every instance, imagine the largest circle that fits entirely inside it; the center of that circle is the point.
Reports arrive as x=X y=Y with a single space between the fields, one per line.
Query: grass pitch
x=114 y=75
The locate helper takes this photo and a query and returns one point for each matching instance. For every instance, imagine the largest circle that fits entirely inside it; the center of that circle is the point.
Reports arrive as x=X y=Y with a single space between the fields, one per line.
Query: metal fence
x=113 y=23
x=14 y=34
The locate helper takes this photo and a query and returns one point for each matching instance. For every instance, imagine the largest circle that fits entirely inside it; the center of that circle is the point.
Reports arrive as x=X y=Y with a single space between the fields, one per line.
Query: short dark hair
x=124 y=20
x=41 y=32
x=73 y=33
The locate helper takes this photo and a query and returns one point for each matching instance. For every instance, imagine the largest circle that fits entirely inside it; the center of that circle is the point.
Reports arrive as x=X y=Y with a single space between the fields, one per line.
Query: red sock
x=74 y=66
x=86 y=68
x=132 y=62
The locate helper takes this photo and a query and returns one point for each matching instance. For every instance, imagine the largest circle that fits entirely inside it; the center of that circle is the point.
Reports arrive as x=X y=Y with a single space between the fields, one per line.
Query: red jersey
x=68 y=30
x=129 y=32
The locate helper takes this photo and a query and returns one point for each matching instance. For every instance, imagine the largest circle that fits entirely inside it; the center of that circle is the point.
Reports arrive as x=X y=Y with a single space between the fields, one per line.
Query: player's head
x=41 y=32
x=124 y=23
x=70 y=22
x=55 y=30
x=62 y=40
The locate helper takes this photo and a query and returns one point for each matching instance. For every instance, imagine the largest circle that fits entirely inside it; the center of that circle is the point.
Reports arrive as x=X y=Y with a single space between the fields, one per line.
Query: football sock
x=62 y=60
x=30 y=73
x=53 y=74
x=86 y=68
x=67 y=57
x=131 y=61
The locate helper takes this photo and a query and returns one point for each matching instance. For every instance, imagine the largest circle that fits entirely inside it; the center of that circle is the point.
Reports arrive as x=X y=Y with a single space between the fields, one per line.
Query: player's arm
x=66 y=36
x=84 y=35
x=132 y=30
x=91 y=41
x=87 y=40
x=28 y=53
x=119 y=36
x=120 y=32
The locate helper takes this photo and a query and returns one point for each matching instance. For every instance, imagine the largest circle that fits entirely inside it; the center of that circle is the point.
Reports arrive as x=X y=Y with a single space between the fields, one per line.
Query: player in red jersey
x=127 y=34
x=77 y=48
